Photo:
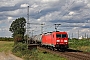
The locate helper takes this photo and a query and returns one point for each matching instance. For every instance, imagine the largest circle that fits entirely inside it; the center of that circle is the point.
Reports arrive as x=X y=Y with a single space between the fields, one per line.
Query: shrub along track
x=69 y=54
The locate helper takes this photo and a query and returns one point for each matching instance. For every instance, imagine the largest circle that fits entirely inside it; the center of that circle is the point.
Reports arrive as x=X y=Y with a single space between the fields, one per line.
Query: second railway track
x=70 y=55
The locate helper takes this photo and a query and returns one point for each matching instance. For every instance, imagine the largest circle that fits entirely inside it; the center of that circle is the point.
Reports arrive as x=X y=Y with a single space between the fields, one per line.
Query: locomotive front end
x=61 y=40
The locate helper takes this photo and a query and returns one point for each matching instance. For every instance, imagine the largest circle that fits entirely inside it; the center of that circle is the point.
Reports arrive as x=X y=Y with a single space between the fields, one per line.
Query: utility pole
x=72 y=35
x=32 y=33
x=42 y=28
x=27 y=24
x=78 y=34
x=85 y=36
x=56 y=26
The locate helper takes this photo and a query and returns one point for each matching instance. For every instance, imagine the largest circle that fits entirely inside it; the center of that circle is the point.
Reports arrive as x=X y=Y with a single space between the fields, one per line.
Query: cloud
x=45 y=1
x=24 y=5
x=9 y=18
x=9 y=8
x=73 y=15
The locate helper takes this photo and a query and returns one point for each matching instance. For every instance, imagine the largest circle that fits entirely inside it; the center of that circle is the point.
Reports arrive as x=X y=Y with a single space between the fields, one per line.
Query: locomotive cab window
x=64 y=35
x=61 y=35
x=58 y=35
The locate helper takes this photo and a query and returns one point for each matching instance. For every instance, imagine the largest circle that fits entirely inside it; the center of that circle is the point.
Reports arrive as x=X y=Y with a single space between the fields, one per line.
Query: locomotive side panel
x=46 y=39
x=49 y=39
x=43 y=39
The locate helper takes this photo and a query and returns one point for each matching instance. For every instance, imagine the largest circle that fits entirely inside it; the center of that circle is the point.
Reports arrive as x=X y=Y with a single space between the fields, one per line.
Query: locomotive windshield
x=61 y=35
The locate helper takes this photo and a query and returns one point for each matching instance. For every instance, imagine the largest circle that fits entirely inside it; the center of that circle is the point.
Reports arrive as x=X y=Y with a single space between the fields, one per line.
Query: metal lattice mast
x=27 y=24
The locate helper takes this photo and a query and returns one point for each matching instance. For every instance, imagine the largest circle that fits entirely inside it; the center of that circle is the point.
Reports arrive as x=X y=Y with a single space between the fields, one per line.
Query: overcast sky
x=73 y=15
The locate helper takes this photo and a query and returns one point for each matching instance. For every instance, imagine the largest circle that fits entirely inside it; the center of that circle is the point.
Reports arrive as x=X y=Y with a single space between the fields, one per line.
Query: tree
x=18 y=27
x=18 y=38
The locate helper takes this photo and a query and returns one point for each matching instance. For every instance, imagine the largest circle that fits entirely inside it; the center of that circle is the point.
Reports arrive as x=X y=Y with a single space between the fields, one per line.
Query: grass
x=83 y=45
x=48 y=56
x=21 y=50
x=34 y=54
x=6 y=46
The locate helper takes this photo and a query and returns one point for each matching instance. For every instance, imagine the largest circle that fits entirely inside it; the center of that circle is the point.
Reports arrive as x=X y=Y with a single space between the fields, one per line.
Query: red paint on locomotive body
x=55 y=39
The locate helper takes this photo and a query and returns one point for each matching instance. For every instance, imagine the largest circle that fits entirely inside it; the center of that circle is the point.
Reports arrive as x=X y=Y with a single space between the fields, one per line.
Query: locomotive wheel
x=52 y=48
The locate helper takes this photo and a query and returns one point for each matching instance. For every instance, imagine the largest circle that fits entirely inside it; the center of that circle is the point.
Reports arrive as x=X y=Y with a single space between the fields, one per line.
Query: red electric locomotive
x=58 y=40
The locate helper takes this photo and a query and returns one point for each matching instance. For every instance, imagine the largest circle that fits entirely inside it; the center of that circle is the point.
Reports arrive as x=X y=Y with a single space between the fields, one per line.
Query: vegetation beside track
x=21 y=51
x=39 y=55
x=83 y=45
x=42 y=55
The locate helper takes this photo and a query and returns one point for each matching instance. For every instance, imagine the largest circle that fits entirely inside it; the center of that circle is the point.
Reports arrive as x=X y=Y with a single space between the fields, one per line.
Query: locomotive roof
x=55 y=32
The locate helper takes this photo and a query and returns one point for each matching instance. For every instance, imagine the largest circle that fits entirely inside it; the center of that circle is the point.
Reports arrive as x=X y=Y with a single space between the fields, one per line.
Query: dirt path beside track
x=8 y=56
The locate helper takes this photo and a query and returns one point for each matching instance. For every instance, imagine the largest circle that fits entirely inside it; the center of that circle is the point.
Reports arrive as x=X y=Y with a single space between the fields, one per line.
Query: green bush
x=21 y=50
x=83 y=45
x=19 y=47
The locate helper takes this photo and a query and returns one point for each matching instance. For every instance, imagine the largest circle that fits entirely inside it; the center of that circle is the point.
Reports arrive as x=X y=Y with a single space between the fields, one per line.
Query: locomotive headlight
x=65 y=41
x=58 y=40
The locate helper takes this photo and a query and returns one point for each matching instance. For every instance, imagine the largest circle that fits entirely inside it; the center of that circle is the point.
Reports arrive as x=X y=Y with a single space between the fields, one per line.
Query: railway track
x=69 y=54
